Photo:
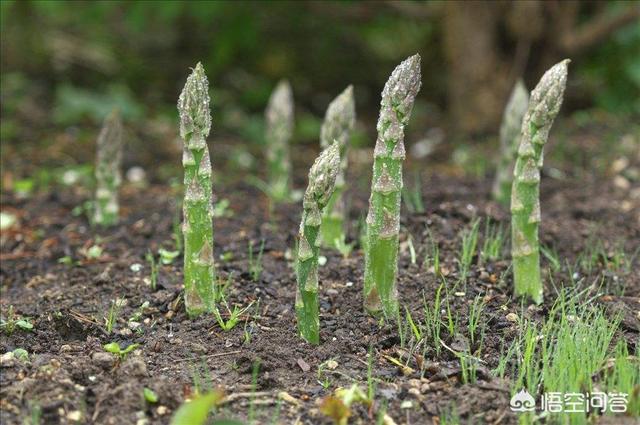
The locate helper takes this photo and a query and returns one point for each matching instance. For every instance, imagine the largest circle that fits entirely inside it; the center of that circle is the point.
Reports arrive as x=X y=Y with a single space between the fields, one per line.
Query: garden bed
x=263 y=367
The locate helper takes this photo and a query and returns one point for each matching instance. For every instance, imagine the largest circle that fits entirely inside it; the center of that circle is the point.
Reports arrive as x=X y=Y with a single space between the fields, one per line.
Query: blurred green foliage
x=613 y=70
x=66 y=64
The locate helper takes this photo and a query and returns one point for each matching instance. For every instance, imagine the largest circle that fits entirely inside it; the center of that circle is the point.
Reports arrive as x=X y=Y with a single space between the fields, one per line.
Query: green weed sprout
x=383 y=219
x=509 y=140
x=279 y=128
x=196 y=411
x=339 y=121
x=114 y=348
x=322 y=179
x=544 y=105
x=108 y=173
x=195 y=123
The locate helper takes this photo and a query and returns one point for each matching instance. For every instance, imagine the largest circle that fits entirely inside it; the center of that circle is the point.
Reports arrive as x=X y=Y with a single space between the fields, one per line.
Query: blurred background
x=65 y=65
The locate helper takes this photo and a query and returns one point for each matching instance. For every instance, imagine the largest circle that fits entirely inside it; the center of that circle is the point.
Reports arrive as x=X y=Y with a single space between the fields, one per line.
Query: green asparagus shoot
x=279 y=128
x=339 y=121
x=544 y=105
x=509 y=140
x=108 y=172
x=383 y=219
x=322 y=178
x=195 y=123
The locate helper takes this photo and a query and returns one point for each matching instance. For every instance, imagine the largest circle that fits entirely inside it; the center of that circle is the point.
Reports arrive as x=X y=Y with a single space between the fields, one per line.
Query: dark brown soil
x=68 y=377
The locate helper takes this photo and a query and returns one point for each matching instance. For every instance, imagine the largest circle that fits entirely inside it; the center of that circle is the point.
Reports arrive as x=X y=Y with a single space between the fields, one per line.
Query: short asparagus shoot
x=279 y=128
x=509 y=140
x=338 y=124
x=544 y=105
x=108 y=171
x=322 y=179
x=195 y=123
x=383 y=219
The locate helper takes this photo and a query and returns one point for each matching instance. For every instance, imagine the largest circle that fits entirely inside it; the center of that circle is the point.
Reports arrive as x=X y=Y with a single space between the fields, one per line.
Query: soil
x=70 y=379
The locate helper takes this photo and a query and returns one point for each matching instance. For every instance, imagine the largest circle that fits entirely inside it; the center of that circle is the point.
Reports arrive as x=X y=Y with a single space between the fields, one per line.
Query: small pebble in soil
x=103 y=360
x=7 y=359
x=512 y=317
x=414 y=392
x=74 y=416
x=134 y=366
x=303 y=365
x=406 y=404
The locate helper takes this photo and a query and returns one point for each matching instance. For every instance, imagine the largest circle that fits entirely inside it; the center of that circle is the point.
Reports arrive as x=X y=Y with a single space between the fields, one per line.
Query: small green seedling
x=153 y=265
x=21 y=354
x=196 y=411
x=150 y=396
x=338 y=406
x=234 y=316
x=544 y=106
x=383 y=219
x=137 y=315
x=167 y=257
x=343 y=247
x=92 y=253
x=114 y=312
x=255 y=264
x=13 y=322
x=412 y=197
x=493 y=242
x=114 y=348
x=221 y=209
x=67 y=260
x=432 y=257
x=468 y=249
x=197 y=230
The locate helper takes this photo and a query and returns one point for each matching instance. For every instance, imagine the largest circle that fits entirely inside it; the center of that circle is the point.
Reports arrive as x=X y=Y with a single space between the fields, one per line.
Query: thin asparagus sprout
x=108 y=172
x=339 y=121
x=279 y=122
x=195 y=123
x=383 y=219
x=509 y=140
x=322 y=178
x=544 y=105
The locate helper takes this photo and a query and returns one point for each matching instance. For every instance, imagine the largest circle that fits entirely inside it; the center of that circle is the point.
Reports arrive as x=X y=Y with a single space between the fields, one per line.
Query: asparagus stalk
x=339 y=121
x=383 y=219
x=108 y=173
x=195 y=123
x=509 y=140
x=322 y=178
x=544 y=105
x=279 y=122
